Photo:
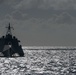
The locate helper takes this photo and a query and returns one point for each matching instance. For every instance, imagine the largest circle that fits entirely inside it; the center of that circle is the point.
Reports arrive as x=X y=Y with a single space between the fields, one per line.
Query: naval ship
x=10 y=45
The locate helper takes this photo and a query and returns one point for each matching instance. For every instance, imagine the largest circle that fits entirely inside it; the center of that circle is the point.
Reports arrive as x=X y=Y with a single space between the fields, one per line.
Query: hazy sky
x=40 y=22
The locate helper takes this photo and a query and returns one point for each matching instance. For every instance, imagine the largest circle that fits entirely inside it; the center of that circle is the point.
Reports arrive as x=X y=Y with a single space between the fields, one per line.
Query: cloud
x=24 y=9
x=40 y=20
x=65 y=18
x=58 y=4
x=47 y=4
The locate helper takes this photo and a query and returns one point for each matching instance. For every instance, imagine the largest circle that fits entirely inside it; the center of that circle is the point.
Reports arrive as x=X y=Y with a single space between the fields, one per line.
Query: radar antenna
x=9 y=29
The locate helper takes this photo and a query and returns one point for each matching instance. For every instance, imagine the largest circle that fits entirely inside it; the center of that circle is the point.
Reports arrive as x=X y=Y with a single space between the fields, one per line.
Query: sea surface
x=41 y=61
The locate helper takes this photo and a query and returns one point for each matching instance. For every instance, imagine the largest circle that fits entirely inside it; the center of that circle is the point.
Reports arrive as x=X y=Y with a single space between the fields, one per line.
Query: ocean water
x=41 y=61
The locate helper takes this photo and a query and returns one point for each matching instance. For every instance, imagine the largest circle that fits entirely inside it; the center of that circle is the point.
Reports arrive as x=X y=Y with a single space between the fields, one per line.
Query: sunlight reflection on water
x=40 y=62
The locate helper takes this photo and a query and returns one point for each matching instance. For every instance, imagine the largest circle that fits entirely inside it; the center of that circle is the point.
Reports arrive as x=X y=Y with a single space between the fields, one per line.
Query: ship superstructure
x=9 y=44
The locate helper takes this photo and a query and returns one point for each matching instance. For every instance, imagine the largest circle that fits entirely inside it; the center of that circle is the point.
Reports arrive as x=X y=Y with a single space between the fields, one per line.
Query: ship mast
x=9 y=29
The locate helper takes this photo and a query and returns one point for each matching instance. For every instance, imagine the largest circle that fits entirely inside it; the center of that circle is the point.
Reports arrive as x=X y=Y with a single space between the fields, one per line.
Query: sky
x=40 y=22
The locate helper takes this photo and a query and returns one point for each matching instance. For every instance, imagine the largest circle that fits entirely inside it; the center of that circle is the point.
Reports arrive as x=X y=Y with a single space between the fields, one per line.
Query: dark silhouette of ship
x=9 y=45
